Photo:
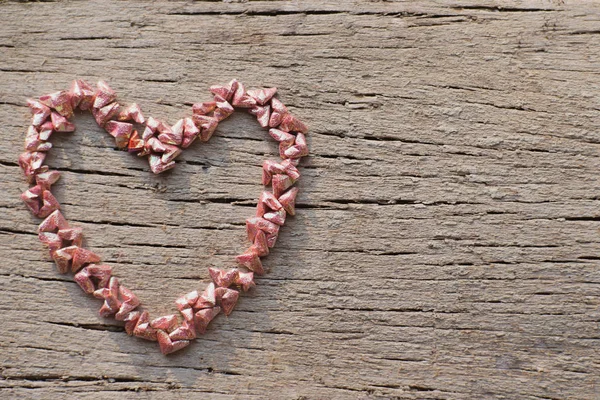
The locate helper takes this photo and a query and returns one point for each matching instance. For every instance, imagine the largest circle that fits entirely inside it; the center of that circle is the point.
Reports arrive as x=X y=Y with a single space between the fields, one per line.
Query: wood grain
x=447 y=241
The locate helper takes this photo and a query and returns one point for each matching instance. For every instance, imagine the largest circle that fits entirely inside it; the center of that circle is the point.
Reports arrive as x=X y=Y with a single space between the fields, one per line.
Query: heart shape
x=162 y=144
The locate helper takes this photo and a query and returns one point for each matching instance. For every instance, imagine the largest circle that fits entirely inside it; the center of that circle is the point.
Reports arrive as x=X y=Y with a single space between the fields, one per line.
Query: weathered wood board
x=447 y=244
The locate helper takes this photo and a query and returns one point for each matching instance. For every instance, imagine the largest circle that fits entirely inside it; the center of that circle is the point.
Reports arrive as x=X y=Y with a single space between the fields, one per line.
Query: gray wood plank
x=446 y=243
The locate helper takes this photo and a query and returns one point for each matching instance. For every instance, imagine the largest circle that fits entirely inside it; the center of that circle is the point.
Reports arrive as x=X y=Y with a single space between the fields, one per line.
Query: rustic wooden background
x=447 y=241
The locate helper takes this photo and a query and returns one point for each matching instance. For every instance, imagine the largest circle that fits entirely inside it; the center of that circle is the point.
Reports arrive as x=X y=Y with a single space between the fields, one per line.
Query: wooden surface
x=447 y=242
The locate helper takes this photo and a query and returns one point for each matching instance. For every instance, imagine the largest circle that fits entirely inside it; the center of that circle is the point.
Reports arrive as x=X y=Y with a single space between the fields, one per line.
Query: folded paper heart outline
x=162 y=144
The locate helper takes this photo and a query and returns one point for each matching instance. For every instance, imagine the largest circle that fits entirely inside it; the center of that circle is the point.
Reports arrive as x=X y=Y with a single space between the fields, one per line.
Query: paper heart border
x=162 y=143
